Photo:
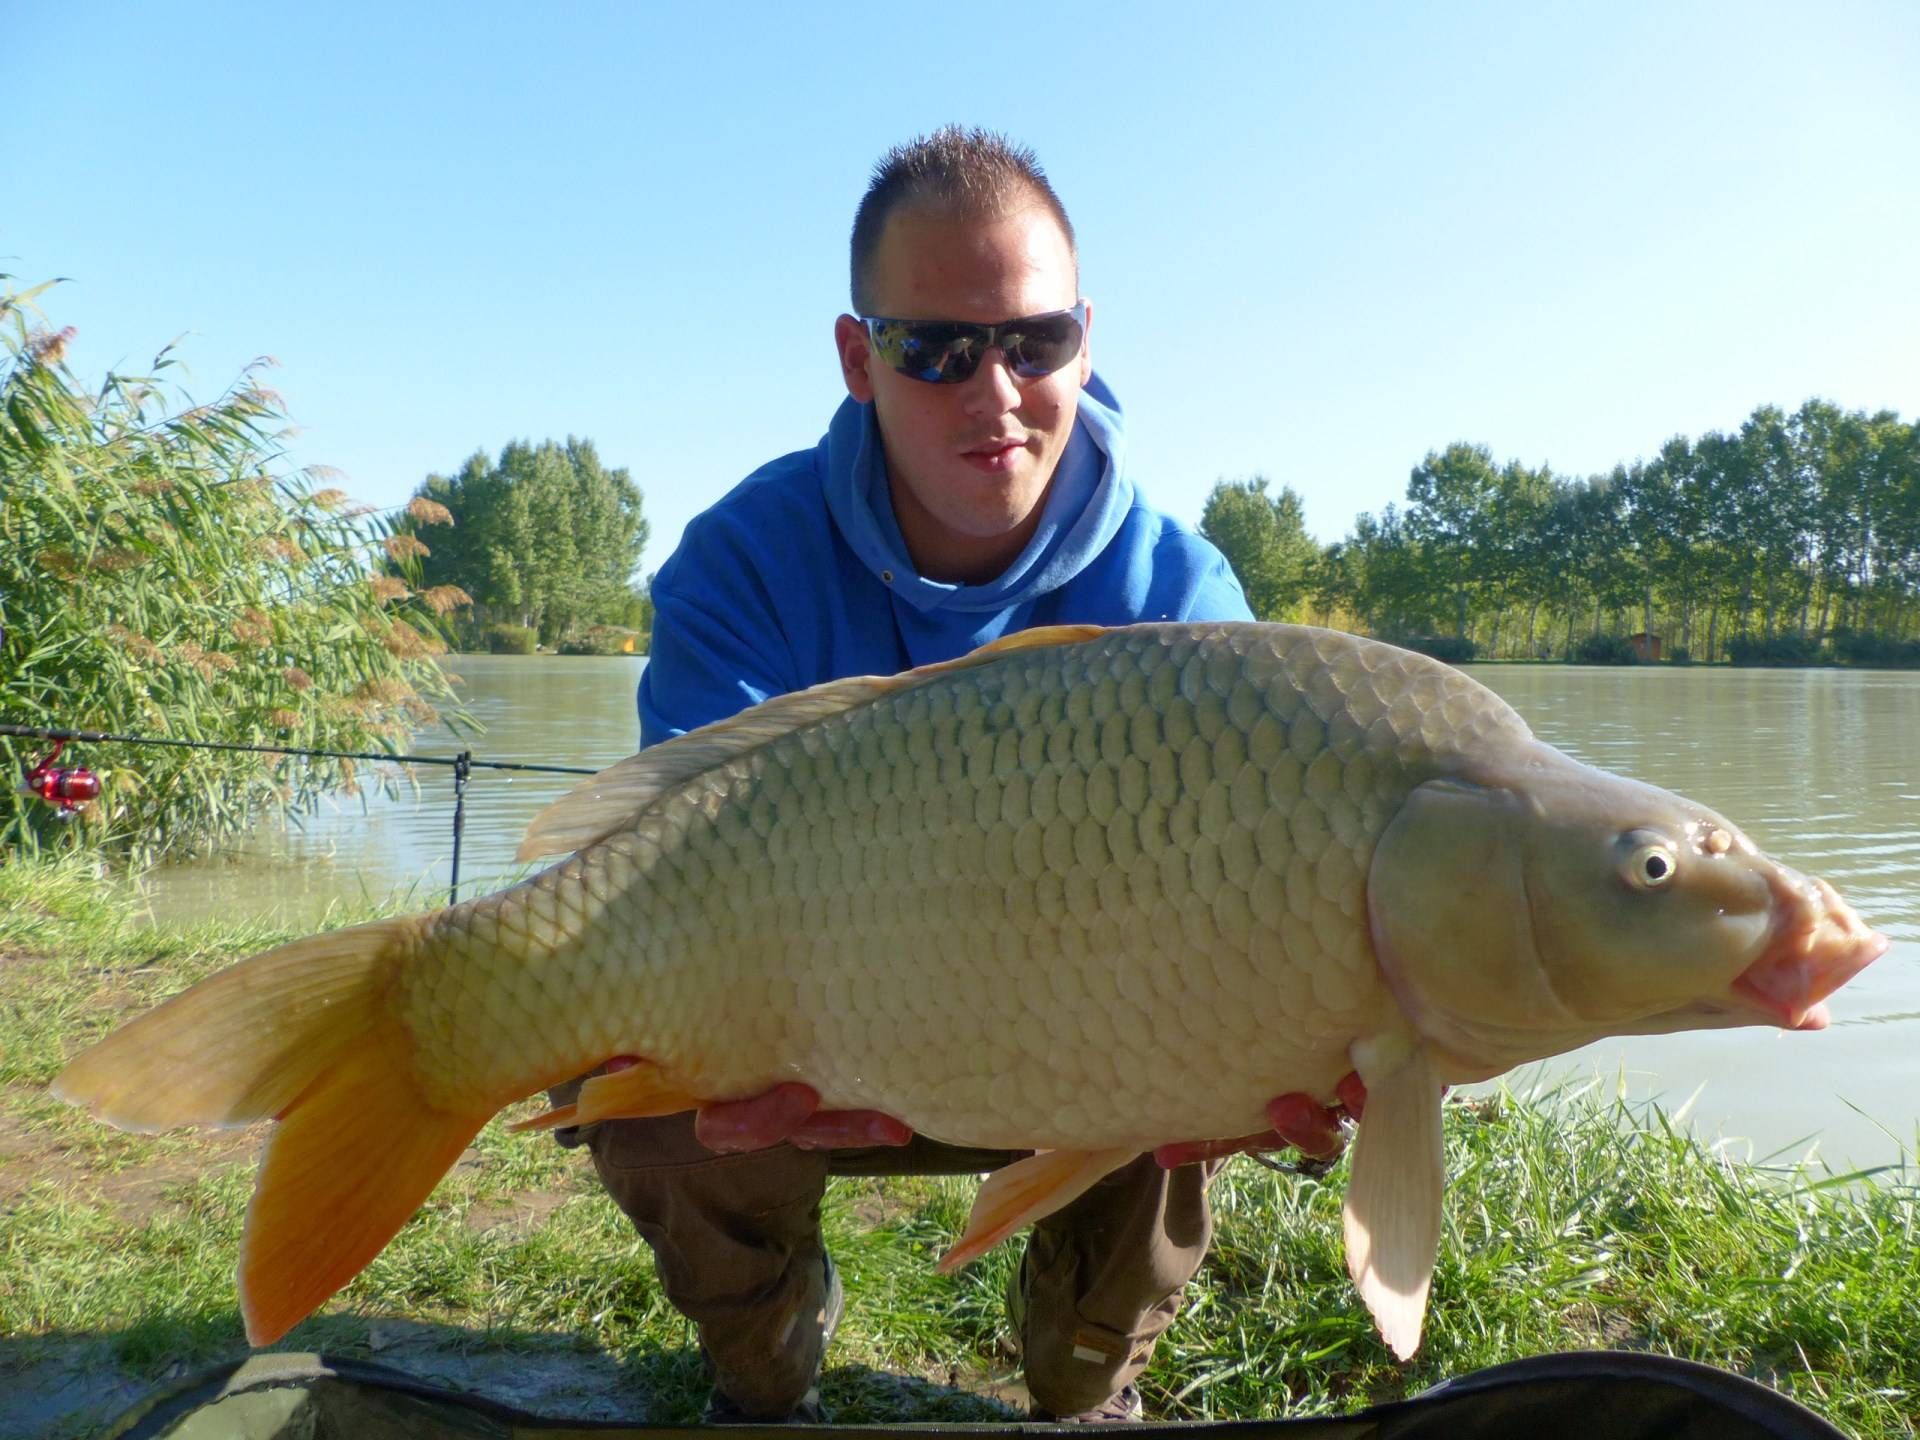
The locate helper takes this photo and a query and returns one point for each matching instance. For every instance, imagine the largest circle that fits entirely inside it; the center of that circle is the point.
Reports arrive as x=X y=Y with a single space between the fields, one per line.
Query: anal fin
x=638 y=1091
x=549 y=1120
x=1392 y=1217
x=1028 y=1190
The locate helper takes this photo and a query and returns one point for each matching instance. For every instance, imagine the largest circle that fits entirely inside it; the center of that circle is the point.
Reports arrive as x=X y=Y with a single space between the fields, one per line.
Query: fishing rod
x=71 y=788
x=43 y=732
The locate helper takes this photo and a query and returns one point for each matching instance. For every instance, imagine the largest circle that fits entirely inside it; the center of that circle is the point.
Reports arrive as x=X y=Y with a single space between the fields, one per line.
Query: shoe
x=722 y=1411
x=1122 y=1409
x=807 y=1410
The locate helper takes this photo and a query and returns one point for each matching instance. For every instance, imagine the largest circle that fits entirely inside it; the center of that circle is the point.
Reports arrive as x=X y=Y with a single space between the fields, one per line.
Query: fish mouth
x=1818 y=944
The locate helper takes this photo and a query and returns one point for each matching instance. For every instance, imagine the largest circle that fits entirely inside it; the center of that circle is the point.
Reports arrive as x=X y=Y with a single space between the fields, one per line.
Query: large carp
x=1084 y=892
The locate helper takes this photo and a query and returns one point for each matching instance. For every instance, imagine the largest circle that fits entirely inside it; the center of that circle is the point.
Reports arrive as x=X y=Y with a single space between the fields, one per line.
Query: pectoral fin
x=1025 y=1191
x=1393 y=1199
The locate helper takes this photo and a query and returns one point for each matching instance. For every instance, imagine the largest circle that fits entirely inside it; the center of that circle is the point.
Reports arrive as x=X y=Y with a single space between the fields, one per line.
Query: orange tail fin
x=299 y=1035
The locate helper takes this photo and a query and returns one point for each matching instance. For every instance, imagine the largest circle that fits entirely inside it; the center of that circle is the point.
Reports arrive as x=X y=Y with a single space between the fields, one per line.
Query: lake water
x=1820 y=767
x=537 y=710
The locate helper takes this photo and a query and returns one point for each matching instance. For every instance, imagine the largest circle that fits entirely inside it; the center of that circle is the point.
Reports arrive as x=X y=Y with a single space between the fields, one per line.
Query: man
x=972 y=484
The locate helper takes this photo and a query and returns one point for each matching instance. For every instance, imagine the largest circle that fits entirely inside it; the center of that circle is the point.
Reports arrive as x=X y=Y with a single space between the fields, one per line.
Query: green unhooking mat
x=1584 y=1395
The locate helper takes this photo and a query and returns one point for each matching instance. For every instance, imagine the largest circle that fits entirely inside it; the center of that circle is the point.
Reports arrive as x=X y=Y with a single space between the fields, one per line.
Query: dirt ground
x=59 y=1386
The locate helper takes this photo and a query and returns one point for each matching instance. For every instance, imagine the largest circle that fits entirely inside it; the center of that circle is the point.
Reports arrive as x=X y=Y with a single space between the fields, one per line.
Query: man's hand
x=792 y=1113
x=789 y=1113
x=1298 y=1120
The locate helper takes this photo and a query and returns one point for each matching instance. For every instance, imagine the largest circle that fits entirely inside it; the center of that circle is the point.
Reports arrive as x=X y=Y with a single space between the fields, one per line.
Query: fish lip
x=1816 y=944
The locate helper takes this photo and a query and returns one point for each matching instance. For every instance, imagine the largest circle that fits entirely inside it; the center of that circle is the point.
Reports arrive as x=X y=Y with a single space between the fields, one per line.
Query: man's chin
x=977 y=524
x=985 y=506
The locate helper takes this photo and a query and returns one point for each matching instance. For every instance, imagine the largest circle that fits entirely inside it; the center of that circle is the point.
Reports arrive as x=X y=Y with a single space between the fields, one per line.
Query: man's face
x=968 y=464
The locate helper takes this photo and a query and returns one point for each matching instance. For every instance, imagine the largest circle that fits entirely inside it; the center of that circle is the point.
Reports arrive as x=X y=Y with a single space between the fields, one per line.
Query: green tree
x=1266 y=542
x=1334 y=586
x=1511 y=560
x=1778 y=513
x=1834 y=445
x=546 y=537
x=1645 y=495
x=1569 y=536
x=1893 y=486
x=1536 y=569
x=1395 y=591
x=1608 y=566
x=1450 y=496
x=1672 y=503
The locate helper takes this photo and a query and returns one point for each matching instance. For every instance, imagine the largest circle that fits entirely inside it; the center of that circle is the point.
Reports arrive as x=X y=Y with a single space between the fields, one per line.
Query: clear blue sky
x=1321 y=240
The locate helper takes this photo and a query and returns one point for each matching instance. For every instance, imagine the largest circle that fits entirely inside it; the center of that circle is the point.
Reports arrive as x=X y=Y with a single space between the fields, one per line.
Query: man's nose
x=992 y=390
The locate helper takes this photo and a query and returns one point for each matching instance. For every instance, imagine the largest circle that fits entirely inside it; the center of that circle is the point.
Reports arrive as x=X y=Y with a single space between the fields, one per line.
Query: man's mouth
x=994 y=457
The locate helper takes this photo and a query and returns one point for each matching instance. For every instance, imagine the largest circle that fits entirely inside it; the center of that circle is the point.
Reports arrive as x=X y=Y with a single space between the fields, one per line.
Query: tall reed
x=164 y=571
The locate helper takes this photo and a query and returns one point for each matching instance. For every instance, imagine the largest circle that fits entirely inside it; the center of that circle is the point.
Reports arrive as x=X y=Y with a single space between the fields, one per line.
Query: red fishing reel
x=68 y=788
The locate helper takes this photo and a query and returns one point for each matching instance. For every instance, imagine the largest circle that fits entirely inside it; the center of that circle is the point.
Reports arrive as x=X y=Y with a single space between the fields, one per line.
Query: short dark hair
x=971 y=173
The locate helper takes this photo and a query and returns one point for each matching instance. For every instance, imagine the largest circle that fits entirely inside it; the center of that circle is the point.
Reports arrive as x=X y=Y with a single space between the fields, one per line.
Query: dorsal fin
x=1034 y=639
x=604 y=803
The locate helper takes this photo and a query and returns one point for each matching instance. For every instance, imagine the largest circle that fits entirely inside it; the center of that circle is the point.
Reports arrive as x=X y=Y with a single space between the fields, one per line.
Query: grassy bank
x=1568 y=1226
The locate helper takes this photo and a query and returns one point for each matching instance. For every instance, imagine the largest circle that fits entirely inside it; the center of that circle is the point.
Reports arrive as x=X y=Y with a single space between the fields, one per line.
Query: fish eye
x=1650 y=865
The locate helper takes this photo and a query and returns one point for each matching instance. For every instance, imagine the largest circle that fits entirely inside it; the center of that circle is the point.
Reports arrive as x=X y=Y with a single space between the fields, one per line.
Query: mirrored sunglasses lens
x=936 y=353
x=1040 y=347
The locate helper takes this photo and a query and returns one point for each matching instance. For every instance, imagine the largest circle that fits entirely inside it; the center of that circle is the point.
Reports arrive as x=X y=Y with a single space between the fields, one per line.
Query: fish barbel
x=1083 y=892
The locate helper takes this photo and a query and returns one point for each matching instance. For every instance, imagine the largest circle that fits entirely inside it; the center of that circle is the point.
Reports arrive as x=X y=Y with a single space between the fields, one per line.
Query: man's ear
x=856 y=353
x=1086 y=346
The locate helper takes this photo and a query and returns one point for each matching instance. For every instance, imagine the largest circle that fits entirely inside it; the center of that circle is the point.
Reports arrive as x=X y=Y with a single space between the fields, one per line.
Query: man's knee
x=736 y=1245
x=723 y=1228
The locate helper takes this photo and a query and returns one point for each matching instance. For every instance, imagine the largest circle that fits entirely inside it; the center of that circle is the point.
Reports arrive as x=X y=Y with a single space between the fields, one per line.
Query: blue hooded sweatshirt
x=800 y=575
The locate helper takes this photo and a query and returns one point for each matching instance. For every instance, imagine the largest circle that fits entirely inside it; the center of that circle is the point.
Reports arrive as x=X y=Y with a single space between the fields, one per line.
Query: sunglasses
x=947 y=352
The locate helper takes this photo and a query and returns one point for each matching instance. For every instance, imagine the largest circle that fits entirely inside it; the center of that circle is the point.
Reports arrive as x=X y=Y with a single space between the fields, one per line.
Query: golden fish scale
x=1103 y=894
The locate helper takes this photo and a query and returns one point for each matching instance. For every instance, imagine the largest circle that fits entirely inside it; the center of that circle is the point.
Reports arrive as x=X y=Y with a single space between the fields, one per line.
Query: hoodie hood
x=1085 y=506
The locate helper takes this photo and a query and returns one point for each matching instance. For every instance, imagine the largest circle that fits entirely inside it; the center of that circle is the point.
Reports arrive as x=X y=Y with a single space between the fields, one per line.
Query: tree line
x=1793 y=539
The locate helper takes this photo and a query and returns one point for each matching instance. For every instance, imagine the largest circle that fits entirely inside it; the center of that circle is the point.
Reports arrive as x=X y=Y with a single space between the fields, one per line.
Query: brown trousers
x=736 y=1242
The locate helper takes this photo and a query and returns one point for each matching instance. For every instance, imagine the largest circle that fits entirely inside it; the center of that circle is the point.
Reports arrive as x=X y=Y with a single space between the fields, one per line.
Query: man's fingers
x=1298 y=1120
x=792 y=1113
x=1353 y=1094
x=728 y=1126
x=1307 y=1125
x=849 y=1130
x=1190 y=1152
